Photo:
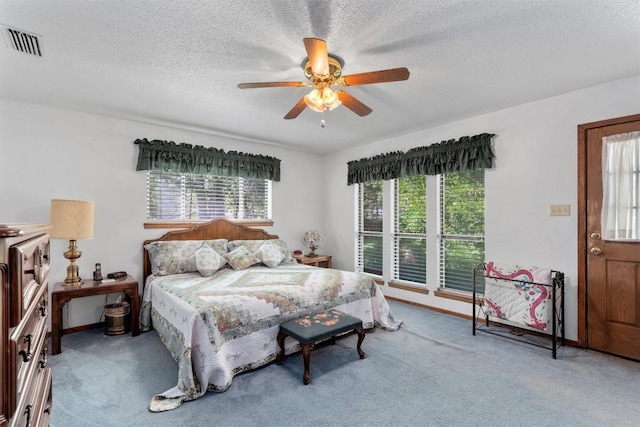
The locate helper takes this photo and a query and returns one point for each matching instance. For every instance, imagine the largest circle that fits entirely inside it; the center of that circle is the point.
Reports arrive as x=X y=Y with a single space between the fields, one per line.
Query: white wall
x=536 y=165
x=48 y=153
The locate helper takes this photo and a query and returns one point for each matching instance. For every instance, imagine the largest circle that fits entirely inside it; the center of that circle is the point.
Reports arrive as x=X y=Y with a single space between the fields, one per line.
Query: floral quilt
x=216 y=327
x=518 y=294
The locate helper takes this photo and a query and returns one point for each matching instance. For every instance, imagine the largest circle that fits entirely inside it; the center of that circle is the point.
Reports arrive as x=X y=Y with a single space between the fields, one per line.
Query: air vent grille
x=23 y=41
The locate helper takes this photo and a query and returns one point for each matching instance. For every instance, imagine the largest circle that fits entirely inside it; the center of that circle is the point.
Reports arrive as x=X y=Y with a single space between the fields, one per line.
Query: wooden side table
x=63 y=294
x=316 y=261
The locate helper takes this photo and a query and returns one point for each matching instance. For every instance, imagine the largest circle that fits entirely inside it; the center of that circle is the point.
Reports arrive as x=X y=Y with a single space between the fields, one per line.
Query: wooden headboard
x=216 y=229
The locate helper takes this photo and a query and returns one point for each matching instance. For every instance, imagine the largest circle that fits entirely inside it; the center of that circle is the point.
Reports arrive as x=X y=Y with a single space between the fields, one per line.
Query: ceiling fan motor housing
x=335 y=71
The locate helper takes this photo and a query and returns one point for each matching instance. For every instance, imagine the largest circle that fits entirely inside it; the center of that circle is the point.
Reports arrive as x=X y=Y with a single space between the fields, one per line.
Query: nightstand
x=63 y=294
x=316 y=261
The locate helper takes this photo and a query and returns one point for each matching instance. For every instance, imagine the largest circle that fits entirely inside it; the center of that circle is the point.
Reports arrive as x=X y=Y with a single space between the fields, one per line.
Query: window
x=370 y=227
x=173 y=196
x=621 y=187
x=410 y=228
x=461 y=228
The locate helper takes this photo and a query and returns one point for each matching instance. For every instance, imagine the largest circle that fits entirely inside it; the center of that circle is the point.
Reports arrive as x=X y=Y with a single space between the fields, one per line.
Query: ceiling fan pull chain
x=322 y=122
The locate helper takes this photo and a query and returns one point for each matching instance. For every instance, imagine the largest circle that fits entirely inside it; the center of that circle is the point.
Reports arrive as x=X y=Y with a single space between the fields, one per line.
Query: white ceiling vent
x=22 y=41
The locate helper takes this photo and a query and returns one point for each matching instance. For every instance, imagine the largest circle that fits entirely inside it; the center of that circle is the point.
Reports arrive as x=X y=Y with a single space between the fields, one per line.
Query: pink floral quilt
x=519 y=294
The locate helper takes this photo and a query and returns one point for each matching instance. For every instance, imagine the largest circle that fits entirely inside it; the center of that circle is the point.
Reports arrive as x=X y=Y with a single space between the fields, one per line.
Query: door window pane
x=621 y=186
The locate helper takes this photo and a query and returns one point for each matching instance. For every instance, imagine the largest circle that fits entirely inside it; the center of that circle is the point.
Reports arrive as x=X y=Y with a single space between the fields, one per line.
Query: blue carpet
x=432 y=372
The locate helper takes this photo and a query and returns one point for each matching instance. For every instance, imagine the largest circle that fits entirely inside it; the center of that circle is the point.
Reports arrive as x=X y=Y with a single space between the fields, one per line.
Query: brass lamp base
x=73 y=279
x=313 y=248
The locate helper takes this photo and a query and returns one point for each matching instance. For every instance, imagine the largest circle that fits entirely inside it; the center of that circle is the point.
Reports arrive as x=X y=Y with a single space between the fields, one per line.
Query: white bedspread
x=216 y=327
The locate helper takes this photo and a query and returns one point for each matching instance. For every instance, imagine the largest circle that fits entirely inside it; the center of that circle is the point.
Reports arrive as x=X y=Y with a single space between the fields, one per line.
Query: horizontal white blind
x=461 y=228
x=410 y=228
x=175 y=196
x=370 y=214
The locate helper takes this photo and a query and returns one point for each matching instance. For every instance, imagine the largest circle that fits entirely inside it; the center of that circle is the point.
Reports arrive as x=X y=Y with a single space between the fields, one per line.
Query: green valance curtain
x=467 y=153
x=187 y=158
x=382 y=166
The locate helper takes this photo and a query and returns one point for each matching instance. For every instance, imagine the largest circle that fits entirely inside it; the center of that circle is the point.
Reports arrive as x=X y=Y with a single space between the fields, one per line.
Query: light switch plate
x=559 y=210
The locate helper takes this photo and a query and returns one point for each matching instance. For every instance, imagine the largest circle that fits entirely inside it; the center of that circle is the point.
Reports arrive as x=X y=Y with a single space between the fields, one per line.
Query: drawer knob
x=43 y=362
x=43 y=308
x=27 y=412
x=26 y=354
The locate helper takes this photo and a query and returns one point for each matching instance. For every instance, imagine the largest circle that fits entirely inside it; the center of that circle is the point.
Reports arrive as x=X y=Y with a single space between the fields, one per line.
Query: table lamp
x=71 y=219
x=311 y=237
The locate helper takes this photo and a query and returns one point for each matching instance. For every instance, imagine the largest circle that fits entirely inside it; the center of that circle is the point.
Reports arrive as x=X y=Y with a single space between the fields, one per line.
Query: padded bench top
x=315 y=327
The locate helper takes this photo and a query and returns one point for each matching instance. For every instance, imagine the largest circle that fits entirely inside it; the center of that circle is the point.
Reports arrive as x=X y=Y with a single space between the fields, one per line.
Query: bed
x=217 y=292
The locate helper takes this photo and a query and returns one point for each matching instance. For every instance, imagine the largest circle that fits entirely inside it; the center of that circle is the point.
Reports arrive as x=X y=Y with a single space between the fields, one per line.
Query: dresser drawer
x=28 y=350
x=35 y=407
x=29 y=269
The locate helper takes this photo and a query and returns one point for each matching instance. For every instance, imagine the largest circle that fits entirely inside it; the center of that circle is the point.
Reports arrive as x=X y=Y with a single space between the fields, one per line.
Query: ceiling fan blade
x=318 y=56
x=353 y=104
x=271 y=84
x=382 y=76
x=296 y=110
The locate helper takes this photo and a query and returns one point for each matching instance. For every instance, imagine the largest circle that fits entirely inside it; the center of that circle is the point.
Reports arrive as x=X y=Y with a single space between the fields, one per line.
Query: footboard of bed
x=548 y=333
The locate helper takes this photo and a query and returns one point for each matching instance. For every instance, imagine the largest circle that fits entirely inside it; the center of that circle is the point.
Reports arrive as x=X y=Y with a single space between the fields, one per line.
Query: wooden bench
x=314 y=328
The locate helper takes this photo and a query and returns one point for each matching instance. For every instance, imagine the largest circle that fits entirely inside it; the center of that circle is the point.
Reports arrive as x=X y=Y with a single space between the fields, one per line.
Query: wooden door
x=611 y=284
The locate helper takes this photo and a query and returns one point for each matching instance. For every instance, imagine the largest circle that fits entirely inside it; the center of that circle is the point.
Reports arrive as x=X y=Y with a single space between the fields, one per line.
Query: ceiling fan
x=325 y=70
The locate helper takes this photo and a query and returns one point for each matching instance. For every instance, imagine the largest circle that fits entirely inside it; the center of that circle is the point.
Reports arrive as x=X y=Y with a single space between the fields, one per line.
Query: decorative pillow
x=252 y=245
x=207 y=260
x=271 y=252
x=171 y=256
x=241 y=258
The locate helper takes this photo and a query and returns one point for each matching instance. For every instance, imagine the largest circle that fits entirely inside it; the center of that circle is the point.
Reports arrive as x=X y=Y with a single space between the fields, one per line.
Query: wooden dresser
x=25 y=381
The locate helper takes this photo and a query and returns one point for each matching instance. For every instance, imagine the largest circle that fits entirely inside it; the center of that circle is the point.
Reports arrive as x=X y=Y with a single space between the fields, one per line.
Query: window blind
x=175 y=196
x=461 y=224
x=410 y=227
x=370 y=215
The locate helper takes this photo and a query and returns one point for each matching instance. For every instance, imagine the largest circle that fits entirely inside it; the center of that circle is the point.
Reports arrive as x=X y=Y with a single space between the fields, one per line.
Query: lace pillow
x=241 y=258
x=172 y=256
x=208 y=261
x=271 y=252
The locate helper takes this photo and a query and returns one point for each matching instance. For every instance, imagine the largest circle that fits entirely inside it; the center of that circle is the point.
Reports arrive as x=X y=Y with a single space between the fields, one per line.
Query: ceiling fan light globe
x=314 y=101
x=315 y=96
x=329 y=96
x=333 y=105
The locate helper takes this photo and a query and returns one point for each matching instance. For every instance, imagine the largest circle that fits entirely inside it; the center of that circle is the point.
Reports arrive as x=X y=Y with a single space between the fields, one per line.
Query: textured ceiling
x=178 y=63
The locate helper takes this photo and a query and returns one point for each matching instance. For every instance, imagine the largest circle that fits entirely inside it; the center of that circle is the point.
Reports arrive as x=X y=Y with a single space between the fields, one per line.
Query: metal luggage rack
x=511 y=330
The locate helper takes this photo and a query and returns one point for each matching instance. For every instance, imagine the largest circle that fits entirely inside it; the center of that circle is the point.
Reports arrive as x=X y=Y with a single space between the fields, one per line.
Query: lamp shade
x=312 y=236
x=71 y=219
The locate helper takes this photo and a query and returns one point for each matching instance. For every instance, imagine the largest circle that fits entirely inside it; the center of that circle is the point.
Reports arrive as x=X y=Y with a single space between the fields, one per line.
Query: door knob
x=596 y=250
x=595 y=236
